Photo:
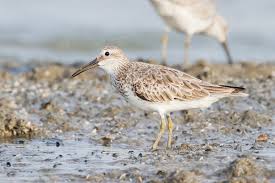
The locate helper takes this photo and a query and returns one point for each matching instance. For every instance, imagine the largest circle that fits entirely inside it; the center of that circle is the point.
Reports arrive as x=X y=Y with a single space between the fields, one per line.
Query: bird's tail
x=236 y=91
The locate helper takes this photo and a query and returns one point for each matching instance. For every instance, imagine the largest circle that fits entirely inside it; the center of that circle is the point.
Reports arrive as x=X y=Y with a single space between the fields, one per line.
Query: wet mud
x=57 y=129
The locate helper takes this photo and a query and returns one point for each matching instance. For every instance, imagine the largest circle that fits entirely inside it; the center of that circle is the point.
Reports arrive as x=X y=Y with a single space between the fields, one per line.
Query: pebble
x=8 y=164
x=262 y=138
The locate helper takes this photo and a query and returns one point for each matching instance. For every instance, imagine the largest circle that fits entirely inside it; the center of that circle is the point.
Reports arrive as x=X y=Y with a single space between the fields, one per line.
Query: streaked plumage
x=157 y=88
x=192 y=17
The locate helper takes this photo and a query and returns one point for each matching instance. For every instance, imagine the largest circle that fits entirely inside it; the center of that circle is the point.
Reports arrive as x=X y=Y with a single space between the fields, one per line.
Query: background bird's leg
x=164 y=42
x=170 y=130
x=226 y=49
x=161 y=131
x=187 y=43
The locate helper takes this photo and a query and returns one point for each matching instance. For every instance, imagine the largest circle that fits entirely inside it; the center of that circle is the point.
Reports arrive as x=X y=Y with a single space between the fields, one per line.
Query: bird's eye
x=107 y=53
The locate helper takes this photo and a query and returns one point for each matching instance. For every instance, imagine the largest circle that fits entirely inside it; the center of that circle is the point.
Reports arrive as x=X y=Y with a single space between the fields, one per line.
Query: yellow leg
x=170 y=131
x=161 y=131
x=164 y=41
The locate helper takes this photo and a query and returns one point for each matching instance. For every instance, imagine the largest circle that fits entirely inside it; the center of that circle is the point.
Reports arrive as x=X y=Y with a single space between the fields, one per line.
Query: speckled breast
x=121 y=87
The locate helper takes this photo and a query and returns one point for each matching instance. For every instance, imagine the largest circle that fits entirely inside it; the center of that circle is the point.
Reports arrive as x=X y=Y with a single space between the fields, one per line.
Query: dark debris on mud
x=80 y=130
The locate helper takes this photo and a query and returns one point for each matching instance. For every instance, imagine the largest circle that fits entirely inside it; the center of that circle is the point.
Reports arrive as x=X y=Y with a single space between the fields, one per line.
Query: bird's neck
x=163 y=7
x=218 y=29
x=116 y=68
x=156 y=3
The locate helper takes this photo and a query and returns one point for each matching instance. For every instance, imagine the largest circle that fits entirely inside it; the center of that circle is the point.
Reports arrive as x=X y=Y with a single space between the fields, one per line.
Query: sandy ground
x=55 y=128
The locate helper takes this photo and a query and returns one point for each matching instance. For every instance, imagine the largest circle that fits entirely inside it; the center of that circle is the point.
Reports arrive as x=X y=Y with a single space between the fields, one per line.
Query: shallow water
x=69 y=31
x=42 y=160
x=78 y=159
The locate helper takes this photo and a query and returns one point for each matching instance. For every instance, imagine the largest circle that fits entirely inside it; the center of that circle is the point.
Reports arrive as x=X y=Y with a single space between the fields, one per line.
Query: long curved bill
x=86 y=67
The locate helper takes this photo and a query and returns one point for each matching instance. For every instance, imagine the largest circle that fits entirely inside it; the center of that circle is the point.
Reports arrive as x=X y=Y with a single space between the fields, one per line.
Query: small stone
x=59 y=156
x=21 y=142
x=11 y=174
x=262 y=138
x=56 y=164
x=115 y=155
x=208 y=148
x=106 y=141
x=161 y=173
x=185 y=147
x=94 y=131
x=8 y=164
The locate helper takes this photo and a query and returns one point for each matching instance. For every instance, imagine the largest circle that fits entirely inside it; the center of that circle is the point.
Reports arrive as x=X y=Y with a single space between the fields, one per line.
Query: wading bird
x=191 y=17
x=157 y=88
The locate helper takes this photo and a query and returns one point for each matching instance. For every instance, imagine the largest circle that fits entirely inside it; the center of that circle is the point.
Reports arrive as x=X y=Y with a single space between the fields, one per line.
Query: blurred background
x=70 y=30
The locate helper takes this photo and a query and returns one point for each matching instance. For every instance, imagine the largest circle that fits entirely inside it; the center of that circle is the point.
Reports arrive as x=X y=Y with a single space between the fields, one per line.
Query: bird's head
x=109 y=59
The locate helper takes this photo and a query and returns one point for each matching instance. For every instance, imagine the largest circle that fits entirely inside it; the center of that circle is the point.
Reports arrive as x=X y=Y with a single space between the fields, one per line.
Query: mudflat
x=56 y=128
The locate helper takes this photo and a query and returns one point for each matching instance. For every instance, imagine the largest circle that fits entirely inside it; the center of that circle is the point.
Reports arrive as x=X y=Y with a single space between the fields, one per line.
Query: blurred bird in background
x=192 y=17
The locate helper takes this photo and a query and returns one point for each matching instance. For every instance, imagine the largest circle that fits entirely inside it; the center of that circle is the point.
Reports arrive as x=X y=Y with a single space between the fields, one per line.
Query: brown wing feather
x=157 y=83
x=165 y=84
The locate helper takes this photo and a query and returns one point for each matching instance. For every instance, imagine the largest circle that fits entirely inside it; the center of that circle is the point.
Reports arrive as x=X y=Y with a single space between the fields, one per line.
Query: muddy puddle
x=57 y=129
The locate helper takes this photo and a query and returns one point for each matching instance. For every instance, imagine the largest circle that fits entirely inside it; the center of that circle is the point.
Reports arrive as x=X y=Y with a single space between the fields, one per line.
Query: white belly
x=175 y=105
x=181 y=19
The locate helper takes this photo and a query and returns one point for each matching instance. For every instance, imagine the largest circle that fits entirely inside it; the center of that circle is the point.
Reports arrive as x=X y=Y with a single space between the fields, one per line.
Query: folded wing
x=165 y=84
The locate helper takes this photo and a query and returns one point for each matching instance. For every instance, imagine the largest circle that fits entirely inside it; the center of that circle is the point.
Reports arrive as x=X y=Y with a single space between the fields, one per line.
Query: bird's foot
x=154 y=147
x=169 y=146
